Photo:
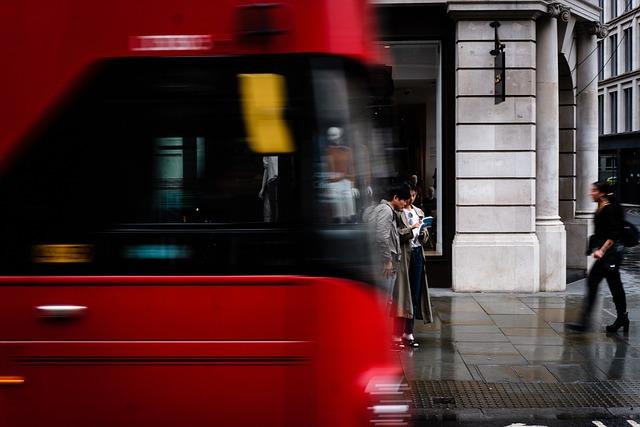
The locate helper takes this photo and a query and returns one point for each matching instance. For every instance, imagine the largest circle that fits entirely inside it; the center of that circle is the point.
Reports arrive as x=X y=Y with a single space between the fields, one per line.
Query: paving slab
x=551 y=353
x=519 y=321
x=619 y=369
x=575 y=372
x=608 y=350
x=504 y=306
x=471 y=329
x=548 y=340
x=490 y=348
x=480 y=359
x=477 y=337
x=529 y=332
x=558 y=314
x=439 y=371
x=498 y=373
x=535 y=374
x=465 y=317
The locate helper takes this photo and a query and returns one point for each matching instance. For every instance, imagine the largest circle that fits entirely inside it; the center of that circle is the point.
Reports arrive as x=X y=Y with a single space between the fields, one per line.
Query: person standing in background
x=417 y=274
x=387 y=246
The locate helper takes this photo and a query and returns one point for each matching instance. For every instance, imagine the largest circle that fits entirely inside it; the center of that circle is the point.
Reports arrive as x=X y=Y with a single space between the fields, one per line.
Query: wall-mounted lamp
x=499 y=71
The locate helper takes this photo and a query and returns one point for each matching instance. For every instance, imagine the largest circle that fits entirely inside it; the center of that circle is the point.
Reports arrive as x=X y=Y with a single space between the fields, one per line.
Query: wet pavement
x=479 y=339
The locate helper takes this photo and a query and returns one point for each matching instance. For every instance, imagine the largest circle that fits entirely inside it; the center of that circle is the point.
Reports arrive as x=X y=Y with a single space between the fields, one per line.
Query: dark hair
x=402 y=191
x=605 y=188
x=411 y=185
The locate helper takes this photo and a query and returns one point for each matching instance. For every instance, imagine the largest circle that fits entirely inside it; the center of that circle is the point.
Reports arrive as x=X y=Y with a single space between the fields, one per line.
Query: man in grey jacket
x=386 y=238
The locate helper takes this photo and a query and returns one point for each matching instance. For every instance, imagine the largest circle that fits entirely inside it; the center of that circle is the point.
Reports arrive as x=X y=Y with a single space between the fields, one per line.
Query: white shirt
x=412 y=218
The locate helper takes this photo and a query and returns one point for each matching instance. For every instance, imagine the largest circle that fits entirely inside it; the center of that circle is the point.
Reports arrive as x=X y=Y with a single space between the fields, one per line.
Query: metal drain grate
x=476 y=394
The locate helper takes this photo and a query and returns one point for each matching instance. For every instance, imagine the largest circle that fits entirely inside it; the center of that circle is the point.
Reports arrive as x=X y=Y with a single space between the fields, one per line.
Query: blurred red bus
x=181 y=183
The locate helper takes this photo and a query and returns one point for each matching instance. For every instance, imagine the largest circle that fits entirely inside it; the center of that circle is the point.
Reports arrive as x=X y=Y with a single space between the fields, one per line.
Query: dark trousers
x=602 y=269
x=416 y=273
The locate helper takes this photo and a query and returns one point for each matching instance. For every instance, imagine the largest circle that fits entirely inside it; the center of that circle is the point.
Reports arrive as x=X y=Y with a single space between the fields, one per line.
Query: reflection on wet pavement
x=521 y=338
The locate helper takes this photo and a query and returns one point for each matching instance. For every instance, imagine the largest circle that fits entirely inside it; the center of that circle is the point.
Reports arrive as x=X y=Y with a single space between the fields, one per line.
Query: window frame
x=613 y=61
x=613 y=112
x=628 y=49
x=600 y=60
x=628 y=109
x=601 y=114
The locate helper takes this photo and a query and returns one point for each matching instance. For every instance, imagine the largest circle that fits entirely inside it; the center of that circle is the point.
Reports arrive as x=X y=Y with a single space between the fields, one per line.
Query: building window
x=608 y=167
x=614 y=8
x=410 y=114
x=600 y=114
x=613 y=109
x=614 y=55
x=628 y=110
x=628 y=50
x=600 y=61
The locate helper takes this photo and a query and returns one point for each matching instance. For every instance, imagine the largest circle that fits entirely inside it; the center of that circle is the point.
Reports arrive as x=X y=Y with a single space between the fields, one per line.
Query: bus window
x=201 y=180
x=346 y=177
x=150 y=170
x=146 y=144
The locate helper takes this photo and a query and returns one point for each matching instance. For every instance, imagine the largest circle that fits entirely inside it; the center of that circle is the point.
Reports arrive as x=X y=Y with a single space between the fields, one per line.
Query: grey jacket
x=387 y=239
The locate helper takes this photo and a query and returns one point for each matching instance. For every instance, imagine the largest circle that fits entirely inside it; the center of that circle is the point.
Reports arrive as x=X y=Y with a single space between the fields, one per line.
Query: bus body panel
x=216 y=310
x=162 y=385
x=190 y=351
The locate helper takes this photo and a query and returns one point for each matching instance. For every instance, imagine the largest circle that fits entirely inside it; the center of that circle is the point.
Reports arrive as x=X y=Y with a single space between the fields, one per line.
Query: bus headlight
x=389 y=402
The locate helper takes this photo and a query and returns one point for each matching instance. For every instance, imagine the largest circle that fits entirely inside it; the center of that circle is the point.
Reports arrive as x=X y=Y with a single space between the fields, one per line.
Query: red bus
x=181 y=186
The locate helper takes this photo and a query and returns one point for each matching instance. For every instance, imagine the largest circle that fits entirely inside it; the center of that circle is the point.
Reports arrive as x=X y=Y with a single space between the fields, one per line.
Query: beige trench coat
x=402 y=290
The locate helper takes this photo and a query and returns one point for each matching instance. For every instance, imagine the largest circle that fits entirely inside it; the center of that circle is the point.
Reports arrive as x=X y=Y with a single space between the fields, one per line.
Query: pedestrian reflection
x=616 y=367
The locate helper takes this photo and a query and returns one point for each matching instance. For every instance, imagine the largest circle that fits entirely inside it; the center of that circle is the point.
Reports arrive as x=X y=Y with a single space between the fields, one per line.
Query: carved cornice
x=594 y=28
x=490 y=10
x=553 y=9
x=559 y=11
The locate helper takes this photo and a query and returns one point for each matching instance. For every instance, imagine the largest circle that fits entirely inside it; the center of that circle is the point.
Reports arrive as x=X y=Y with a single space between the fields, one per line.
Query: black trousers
x=603 y=269
x=416 y=273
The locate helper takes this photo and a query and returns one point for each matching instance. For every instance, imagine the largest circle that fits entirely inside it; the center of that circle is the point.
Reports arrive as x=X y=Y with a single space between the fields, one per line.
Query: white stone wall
x=495 y=247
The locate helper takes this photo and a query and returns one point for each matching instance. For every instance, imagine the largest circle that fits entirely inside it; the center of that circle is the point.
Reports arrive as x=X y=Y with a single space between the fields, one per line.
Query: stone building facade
x=516 y=174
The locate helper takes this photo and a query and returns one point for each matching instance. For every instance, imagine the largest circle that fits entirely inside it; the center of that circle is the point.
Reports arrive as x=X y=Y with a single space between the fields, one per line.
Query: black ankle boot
x=622 y=321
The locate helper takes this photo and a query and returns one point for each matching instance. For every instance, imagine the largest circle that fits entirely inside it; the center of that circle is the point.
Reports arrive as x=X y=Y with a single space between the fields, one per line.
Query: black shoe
x=622 y=321
x=577 y=327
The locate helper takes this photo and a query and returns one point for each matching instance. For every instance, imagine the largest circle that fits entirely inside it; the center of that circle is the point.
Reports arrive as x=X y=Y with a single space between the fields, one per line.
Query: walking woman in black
x=607 y=251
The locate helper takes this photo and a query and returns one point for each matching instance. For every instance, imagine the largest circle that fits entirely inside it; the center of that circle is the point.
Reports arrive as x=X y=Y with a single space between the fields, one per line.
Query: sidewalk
x=509 y=355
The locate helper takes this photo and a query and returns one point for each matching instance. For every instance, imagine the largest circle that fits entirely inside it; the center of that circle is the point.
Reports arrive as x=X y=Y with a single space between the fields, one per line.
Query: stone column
x=549 y=228
x=586 y=143
x=495 y=247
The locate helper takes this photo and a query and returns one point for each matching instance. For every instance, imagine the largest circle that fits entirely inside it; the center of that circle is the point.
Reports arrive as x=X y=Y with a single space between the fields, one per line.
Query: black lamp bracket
x=498 y=46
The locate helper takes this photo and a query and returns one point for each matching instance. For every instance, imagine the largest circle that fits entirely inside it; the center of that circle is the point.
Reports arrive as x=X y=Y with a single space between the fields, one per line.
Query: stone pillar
x=495 y=247
x=567 y=146
x=586 y=144
x=549 y=228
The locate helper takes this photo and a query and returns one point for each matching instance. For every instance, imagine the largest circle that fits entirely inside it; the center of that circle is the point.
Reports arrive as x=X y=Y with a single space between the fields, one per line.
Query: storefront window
x=410 y=117
x=608 y=167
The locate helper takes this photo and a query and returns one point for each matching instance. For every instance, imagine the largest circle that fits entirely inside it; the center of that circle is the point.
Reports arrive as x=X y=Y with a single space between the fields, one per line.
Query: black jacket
x=608 y=226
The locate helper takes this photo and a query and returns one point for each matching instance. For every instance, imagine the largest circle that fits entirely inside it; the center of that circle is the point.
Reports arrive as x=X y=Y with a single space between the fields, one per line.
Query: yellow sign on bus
x=263 y=104
x=67 y=253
